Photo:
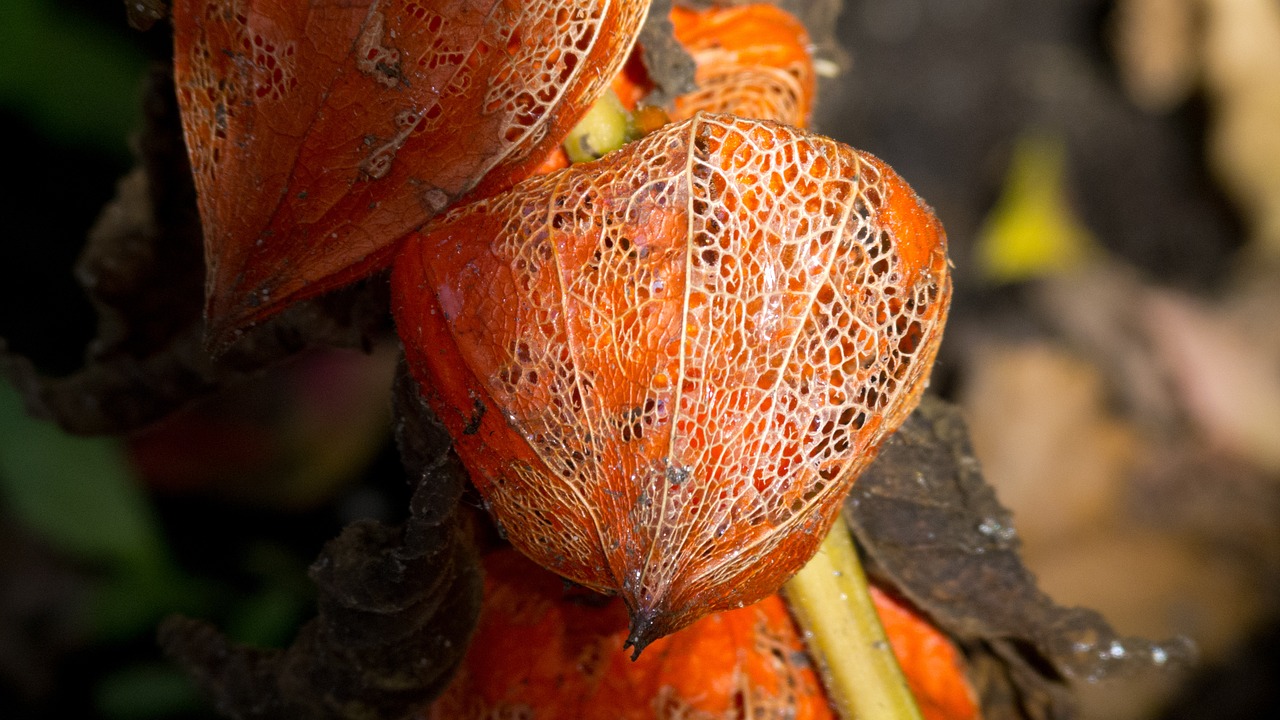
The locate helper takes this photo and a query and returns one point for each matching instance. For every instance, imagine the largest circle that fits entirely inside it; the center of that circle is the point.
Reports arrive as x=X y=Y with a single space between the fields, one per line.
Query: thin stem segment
x=830 y=599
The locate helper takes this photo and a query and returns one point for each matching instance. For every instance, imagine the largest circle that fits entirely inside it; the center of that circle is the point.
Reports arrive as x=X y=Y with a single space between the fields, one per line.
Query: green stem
x=830 y=599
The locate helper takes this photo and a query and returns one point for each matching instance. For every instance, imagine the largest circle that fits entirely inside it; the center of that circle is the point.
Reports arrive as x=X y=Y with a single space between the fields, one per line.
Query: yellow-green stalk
x=830 y=600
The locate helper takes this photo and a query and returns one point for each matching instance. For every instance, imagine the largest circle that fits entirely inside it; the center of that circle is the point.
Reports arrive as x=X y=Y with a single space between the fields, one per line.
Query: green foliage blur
x=79 y=531
x=80 y=498
x=68 y=76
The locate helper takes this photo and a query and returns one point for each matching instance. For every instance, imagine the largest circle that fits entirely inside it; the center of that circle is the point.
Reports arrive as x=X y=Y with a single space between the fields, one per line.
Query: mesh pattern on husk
x=319 y=134
x=701 y=338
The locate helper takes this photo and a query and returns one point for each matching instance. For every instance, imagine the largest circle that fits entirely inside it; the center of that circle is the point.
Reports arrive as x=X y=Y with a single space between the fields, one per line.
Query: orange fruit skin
x=320 y=134
x=632 y=82
x=664 y=369
x=935 y=669
x=752 y=60
x=542 y=650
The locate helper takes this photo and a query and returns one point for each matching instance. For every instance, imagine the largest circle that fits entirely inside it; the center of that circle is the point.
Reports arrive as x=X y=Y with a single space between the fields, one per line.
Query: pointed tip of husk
x=223 y=328
x=645 y=628
x=233 y=307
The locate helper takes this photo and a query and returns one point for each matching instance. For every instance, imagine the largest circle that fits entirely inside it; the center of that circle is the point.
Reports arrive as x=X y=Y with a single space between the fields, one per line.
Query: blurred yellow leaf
x=1032 y=231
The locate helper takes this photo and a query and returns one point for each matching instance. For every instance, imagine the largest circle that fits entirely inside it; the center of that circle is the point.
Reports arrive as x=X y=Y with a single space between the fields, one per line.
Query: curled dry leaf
x=142 y=14
x=544 y=651
x=934 y=531
x=397 y=606
x=666 y=63
x=320 y=134
x=141 y=268
x=752 y=60
x=664 y=369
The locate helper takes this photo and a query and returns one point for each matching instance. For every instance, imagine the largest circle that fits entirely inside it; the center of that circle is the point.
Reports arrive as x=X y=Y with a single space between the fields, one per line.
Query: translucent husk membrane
x=665 y=368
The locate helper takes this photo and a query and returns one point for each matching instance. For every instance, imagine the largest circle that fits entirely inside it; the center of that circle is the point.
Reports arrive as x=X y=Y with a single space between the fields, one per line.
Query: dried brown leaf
x=935 y=531
x=396 y=607
x=143 y=270
x=143 y=14
x=669 y=65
